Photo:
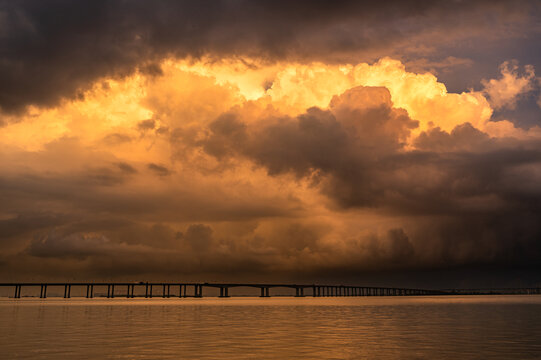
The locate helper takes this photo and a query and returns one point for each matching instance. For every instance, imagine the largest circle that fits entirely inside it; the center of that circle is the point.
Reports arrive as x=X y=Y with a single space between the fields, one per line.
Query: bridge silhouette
x=195 y=290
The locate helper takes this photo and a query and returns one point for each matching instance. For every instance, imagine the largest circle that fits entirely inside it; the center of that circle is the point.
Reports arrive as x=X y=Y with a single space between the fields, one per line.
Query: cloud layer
x=54 y=50
x=165 y=141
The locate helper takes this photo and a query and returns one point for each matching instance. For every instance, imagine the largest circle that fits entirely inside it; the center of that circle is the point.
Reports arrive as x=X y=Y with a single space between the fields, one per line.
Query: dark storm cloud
x=126 y=168
x=29 y=222
x=159 y=170
x=470 y=198
x=54 y=49
x=20 y=192
x=144 y=125
x=350 y=142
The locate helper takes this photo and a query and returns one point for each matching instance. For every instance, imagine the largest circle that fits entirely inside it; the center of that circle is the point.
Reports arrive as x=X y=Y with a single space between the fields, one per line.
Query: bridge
x=195 y=290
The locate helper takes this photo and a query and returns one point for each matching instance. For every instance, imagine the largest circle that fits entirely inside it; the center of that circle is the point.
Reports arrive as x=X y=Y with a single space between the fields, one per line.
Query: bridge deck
x=315 y=290
x=196 y=289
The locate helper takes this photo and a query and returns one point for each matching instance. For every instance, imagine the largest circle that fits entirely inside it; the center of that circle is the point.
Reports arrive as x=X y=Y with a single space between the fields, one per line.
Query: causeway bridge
x=195 y=290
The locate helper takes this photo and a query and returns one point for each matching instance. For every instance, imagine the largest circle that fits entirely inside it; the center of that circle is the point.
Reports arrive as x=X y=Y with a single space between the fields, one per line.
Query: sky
x=390 y=143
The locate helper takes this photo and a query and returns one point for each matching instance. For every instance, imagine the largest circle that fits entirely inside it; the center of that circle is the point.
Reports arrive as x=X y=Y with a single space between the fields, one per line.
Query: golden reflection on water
x=503 y=327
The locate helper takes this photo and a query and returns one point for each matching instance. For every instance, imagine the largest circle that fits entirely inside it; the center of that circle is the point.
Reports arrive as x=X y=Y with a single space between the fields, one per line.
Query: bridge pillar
x=264 y=292
x=314 y=294
x=224 y=291
x=146 y=290
x=163 y=290
x=198 y=290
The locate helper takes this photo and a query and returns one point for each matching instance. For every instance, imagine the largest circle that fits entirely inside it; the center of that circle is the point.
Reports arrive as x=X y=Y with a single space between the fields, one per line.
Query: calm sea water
x=462 y=327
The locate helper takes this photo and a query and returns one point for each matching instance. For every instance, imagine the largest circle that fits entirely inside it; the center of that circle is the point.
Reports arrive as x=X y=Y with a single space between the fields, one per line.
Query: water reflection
x=502 y=327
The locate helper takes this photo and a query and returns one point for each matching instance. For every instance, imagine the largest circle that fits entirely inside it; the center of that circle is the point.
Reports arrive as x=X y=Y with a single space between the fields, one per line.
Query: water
x=461 y=327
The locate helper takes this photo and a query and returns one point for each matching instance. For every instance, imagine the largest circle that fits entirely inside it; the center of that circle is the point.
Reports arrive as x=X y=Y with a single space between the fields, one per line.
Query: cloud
x=76 y=245
x=144 y=125
x=356 y=153
x=506 y=91
x=199 y=236
x=331 y=172
x=85 y=44
x=159 y=170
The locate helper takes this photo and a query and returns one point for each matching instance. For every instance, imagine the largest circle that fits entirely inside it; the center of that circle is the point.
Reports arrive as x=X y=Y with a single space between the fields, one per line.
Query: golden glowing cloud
x=194 y=93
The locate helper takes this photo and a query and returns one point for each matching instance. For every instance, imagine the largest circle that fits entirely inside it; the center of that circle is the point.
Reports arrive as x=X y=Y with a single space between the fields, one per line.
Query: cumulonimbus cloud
x=328 y=170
